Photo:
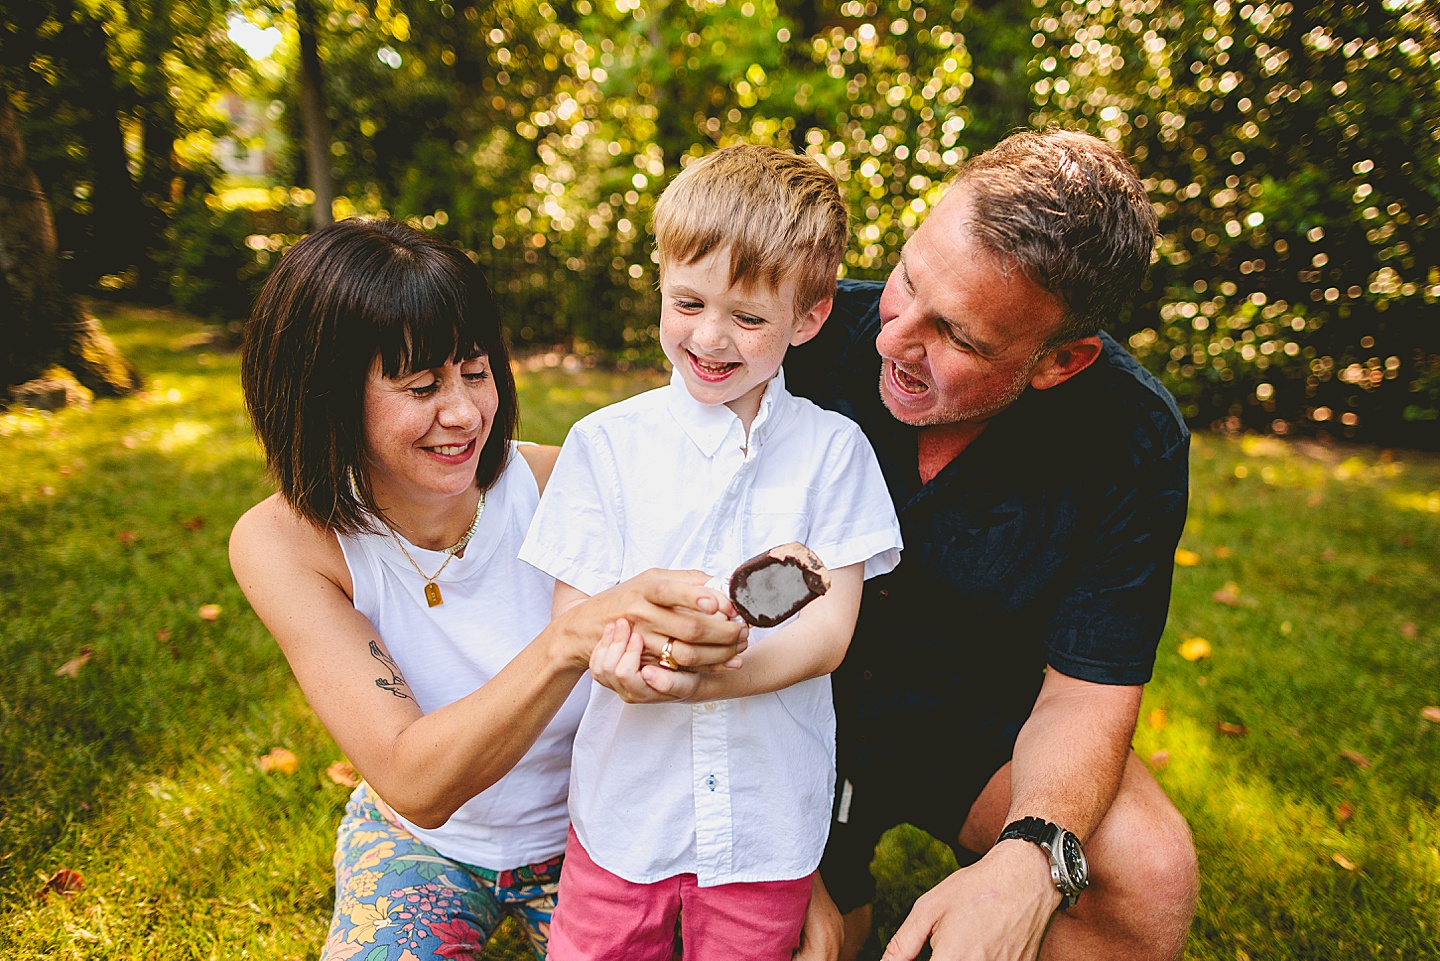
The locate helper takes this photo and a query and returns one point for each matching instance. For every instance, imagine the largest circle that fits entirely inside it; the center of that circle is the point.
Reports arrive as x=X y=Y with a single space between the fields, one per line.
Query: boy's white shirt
x=733 y=790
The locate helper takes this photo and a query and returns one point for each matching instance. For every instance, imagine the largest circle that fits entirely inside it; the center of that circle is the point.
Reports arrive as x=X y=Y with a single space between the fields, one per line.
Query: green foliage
x=1292 y=154
x=1291 y=151
x=118 y=104
x=212 y=271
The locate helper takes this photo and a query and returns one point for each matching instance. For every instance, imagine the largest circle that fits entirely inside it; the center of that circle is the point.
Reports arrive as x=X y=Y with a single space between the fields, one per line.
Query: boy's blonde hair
x=779 y=213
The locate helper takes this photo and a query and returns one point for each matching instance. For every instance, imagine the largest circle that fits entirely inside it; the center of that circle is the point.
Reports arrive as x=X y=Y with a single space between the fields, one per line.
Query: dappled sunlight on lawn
x=1294 y=717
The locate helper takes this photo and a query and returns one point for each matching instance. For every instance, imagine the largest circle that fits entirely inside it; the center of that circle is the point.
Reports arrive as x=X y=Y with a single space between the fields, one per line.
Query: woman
x=378 y=381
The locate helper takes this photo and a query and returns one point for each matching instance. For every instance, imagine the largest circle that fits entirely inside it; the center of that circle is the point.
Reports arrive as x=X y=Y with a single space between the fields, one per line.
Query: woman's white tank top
x=494 y=605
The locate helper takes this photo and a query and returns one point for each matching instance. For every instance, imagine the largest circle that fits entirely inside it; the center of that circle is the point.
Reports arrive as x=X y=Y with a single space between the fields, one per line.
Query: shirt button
x=869 y=675
x=710 y=705
x=884 y=592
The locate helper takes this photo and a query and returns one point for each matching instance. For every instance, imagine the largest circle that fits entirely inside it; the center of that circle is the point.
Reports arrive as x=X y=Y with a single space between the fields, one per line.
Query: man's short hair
x=348 y=294
x=1068 y=209
x=780 y=214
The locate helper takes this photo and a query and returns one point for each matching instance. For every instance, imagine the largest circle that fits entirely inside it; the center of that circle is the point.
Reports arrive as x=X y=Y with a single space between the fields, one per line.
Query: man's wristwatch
x=1068 y=868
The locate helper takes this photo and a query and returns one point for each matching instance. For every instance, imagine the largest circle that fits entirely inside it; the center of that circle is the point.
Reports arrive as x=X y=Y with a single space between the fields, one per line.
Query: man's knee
x=1161 y=859
x=1144 y=882
x=1143 y=854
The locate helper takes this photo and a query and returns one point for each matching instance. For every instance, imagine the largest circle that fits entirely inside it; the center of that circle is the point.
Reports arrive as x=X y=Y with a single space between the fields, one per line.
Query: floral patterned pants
x=398 y=899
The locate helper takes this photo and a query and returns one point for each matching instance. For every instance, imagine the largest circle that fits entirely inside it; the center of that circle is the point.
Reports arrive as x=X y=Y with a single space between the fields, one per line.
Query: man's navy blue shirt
x=1049 y=540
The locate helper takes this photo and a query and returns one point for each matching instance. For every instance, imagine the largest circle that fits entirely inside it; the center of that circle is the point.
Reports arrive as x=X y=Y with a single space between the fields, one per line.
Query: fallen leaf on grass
x=1328 y=555
x=47 y=491
x=1230 y=728
x=342 y=773
x=280 y=760
x=1344 y=812
x=209 y=612
x=65 y=882
x=1195 y=648
x=71 y=668
x=194 y=523
x=1408 y=630
x=1186 y=558
x=1229 y=594
x=1345 y=862
x=1159 y=759
x=1157 y=718
x=125 y=537
x=1356 y=758
x=1223 y=552
x=1315 y=499
x=1431 y=714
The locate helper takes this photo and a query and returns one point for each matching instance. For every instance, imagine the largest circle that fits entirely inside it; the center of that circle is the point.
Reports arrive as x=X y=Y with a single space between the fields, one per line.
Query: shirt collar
x=709 y=425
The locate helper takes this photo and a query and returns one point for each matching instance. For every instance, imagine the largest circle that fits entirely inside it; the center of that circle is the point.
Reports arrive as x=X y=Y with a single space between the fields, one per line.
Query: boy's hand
x=615 y=663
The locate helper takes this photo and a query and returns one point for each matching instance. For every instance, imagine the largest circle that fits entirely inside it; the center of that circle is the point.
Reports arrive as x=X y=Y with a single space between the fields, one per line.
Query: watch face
x=1075 y=861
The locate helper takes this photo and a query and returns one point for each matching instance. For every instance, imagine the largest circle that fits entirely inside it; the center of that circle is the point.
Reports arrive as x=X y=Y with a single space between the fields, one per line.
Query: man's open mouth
x=911 y=385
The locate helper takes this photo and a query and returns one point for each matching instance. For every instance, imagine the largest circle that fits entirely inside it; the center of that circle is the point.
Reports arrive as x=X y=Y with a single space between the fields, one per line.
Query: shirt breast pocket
x=778 y=515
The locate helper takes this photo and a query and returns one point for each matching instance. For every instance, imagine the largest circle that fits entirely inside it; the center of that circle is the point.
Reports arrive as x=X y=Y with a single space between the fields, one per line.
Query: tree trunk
x=312 y=115
x=45 y=324
x=155 y=109
x=115 y=203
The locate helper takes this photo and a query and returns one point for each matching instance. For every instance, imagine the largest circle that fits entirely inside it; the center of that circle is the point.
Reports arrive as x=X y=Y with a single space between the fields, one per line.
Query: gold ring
x=667 y=660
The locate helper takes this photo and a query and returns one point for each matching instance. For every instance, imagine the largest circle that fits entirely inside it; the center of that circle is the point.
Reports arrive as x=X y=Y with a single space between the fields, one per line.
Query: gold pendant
x=432 y=594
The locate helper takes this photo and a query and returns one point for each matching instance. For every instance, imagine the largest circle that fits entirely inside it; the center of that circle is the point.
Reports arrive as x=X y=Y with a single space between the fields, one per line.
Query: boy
x=719 y=805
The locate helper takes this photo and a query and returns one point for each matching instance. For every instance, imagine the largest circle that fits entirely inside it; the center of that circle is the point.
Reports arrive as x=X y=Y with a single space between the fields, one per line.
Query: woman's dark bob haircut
x=348 y=294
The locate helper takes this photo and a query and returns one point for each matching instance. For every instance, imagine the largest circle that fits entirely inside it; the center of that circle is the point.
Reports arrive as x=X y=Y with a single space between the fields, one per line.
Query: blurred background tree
x=1291 y=150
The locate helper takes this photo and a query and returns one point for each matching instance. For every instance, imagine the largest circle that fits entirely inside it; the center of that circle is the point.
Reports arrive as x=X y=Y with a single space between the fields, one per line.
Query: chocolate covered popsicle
x=772 y=586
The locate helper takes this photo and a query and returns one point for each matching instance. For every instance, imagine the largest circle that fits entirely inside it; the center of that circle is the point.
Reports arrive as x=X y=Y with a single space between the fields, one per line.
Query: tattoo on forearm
x=395 y=683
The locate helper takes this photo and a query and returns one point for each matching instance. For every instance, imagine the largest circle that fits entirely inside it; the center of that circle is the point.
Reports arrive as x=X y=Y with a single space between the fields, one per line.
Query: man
x=1040 y=476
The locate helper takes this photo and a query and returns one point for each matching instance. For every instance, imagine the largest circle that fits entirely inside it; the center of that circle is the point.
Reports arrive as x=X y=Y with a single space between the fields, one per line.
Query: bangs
x=432 y=318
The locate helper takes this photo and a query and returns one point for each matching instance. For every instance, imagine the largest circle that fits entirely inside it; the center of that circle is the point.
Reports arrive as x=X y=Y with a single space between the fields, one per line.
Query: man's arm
x=1067 y=766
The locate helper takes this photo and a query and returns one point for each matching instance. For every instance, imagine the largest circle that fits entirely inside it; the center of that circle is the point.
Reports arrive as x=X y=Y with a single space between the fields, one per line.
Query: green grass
x=139 y=772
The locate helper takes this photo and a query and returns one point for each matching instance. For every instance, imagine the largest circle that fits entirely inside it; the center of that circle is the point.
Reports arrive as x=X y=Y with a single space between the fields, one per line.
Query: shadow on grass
x=1316 y=819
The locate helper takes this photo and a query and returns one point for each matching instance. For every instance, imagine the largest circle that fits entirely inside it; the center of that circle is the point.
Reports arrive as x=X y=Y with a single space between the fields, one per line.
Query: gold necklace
x=432 y=590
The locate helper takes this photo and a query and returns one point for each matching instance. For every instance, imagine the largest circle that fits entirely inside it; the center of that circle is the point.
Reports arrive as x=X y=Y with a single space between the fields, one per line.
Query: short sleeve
x=1107 y=623
x=577 y=535
x=823 y=368
x=853 y=518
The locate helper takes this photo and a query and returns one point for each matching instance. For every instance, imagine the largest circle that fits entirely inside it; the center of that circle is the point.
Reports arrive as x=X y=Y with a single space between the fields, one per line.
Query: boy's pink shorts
x=602 y=917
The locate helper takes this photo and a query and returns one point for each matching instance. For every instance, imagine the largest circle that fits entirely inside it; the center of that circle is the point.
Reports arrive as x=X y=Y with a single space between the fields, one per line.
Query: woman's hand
x=659 y=606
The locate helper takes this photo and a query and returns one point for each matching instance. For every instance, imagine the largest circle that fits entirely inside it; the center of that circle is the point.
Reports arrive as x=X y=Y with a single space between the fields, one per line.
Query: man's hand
x=997 y=909
x=820 y=938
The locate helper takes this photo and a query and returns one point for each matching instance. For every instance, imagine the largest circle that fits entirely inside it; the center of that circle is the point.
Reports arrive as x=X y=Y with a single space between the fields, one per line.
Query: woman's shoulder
x=273 y=534
x=541 y=460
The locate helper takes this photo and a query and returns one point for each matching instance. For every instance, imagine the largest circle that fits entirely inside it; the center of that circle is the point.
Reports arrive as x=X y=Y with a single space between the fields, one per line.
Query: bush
x=217 y=256
x=1292 y=158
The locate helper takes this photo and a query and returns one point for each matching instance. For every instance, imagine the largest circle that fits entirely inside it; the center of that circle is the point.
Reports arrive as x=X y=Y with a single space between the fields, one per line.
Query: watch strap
x=1032 y=829
x=1046 y=835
